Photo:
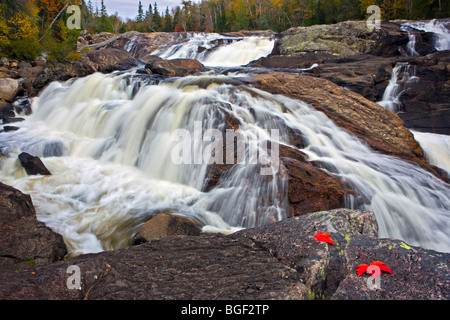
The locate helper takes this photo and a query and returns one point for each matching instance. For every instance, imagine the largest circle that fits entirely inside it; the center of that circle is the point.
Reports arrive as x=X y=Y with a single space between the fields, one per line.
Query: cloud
x=129 y=8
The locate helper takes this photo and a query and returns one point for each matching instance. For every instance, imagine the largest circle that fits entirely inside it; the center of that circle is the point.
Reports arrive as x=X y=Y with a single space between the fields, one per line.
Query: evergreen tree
x=156 y=19
x=168 y=23
x=103 y=12
x=140 y=16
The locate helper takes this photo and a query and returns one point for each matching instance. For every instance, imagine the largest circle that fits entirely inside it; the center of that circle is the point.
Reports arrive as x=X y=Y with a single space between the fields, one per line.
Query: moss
x=405 y=246
x=316 y=295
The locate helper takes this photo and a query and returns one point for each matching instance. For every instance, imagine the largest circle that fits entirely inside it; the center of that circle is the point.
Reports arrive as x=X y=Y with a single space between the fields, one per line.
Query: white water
x=436 y=148
x=115 y=166
x=219 y=50
x=403 y=75
x=439 y=28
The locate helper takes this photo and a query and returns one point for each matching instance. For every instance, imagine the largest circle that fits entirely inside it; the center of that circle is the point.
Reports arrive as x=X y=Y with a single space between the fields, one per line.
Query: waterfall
x=439 y=28
x=217 y=50
x=436 y=148
x=112 y=143
x=403 y=75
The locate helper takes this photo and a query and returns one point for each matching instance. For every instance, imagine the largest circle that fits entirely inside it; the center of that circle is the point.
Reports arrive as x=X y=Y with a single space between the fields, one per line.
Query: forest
x=30 y=27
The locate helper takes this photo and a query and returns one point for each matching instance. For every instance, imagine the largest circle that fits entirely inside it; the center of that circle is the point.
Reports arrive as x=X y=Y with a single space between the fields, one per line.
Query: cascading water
x=403 y=75
x=436 y=148
x=217 y=50
x=111 y=143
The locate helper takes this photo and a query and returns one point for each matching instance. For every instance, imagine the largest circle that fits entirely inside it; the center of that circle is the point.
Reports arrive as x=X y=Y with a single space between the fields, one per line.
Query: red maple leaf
x=362 y=268
x=324 y=237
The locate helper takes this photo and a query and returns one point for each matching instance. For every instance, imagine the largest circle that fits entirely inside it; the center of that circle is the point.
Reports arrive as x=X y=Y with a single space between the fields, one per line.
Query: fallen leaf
x=324 y=237
x=362 y=268
x=382 y=266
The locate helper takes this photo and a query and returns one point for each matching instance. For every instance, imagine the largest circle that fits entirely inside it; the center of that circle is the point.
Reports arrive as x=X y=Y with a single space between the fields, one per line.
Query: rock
x=174 y=67
x=24 y=241
x=381 y=129
x=10 y=128
x=112 y=59
x=4 y=62
x=310 y=188
x=425 y=102
x=280 y=260
x=330 y=271
x=341 y=39
x=8 y=88
x=366 y=75
x=6 y=110
x=33 y=165
x=24 y=65
x=40 y=61
x=163 y=225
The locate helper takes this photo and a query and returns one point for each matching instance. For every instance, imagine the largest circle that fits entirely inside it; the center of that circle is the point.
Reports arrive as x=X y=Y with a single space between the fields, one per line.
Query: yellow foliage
x=276 y=3
x=21 y=26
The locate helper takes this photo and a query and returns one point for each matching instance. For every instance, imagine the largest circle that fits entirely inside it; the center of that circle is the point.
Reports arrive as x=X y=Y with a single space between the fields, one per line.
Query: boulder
x=6 y=110
x=24 y=241
x=172 y=68
x=425 y=102
x=310 y=188
x=33 y=165
x=163 y=225
x=8 y=88
x=40 y=61
x=111 y=59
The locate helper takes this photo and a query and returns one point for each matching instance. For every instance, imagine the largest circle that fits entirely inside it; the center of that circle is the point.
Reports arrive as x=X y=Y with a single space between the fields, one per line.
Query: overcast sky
x=129 y=8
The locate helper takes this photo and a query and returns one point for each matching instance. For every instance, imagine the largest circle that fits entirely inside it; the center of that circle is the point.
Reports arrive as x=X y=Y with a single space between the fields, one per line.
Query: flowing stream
x=403 y=75
x=439 y=28
x=122 y=148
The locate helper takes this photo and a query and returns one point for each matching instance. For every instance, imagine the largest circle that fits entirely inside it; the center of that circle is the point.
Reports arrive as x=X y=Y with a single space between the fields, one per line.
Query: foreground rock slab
x=281 y=260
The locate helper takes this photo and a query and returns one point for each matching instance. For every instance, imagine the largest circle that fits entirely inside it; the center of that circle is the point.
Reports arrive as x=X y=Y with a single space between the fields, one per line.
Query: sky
x=129 y=8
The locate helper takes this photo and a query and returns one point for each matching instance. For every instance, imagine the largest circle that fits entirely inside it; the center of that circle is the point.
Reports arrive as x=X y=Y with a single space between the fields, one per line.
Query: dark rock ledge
x=280 y=260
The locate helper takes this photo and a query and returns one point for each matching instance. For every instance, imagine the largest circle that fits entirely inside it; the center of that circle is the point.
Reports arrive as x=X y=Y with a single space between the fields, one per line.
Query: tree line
x=276 y=15
x=30 y=27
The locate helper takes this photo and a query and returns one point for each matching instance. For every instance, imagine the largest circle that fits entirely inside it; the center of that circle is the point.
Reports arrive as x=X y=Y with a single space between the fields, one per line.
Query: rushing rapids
x=122 y=148
x=214 y=50
x=439 y=29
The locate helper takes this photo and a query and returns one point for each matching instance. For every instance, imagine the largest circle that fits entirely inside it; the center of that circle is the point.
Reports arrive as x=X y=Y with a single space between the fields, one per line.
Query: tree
x=156 y=19
x=168 y=23
x=103 y=12
x=140 y=16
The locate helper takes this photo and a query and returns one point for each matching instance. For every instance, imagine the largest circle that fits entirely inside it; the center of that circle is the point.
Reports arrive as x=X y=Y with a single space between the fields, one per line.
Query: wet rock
x=425 y=102
x=24 y=241
x=6 y=110
x=33 y=165
x=310 y=188
x=163 y=225
x=10 y=128
x=173 y=67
